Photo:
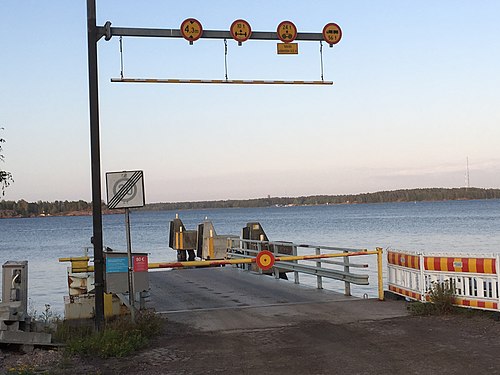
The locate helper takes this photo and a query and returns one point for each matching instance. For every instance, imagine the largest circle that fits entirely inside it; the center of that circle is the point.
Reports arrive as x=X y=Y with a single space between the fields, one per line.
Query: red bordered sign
x=140 y=263
x=191 y=29
x=265 y=260
x=240 y=30
x=287 y=31
x=332 y=33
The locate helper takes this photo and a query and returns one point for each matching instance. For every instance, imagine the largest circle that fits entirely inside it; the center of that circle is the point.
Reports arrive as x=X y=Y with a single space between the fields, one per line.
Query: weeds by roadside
x=442 y=298
x=119 y=337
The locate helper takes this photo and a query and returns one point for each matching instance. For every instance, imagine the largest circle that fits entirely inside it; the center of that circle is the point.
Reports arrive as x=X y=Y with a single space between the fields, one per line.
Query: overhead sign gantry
x=191 y=30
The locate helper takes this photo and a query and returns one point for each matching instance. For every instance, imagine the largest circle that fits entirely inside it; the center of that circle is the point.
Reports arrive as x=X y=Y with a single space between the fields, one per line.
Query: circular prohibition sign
x=191 y=29
x=287 y=32
x=240 y=30
x=265 y=260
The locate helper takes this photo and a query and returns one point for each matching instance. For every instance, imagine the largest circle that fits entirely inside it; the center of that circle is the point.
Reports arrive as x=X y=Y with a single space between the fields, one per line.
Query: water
x=451 y=226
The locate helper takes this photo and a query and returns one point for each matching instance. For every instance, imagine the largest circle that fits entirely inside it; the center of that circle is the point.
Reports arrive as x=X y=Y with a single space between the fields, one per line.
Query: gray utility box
x=117 y=272
x=15 y=284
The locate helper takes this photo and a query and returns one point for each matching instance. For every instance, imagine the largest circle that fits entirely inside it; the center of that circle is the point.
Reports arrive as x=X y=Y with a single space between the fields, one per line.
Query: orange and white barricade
x=475 y=277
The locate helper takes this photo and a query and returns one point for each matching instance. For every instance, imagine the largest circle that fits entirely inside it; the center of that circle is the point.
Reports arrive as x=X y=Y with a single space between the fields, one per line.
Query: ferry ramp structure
x=229 y=298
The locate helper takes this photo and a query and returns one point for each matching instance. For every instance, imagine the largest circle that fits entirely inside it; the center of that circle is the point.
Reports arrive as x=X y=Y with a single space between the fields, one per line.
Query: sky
x=415 y=95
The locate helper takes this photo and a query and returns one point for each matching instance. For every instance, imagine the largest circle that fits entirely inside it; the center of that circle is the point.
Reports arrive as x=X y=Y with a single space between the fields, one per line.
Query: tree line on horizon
x=23 y=208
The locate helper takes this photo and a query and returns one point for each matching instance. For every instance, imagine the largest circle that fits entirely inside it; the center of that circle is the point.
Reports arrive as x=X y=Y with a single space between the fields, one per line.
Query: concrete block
x=25 y=338
x=9 y=325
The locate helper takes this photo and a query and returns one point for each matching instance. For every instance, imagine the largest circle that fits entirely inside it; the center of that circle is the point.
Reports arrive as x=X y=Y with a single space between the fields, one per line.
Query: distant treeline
x=22 y=208
x=404 y=195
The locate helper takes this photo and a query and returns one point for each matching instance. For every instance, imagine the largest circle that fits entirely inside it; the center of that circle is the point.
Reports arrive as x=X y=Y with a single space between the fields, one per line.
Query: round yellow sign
x=240 y=31
x=191 y=29
x=265 y=260
x=332 y=33
x=287 y=32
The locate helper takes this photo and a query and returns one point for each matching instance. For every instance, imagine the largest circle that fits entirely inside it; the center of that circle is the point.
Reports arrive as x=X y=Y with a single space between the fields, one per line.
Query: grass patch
x=119 y=338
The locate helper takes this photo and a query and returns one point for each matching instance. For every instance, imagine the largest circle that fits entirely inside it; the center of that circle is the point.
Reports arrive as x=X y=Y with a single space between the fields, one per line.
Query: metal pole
x=319 y=279
x=92 y=39
x=295 y=273
x=380 y=275
x=347 y=284
x=131 y=292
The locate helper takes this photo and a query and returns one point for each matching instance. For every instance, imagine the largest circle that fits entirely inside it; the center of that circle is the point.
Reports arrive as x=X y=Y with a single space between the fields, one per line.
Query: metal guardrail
x=475 y=277
x=321 y=268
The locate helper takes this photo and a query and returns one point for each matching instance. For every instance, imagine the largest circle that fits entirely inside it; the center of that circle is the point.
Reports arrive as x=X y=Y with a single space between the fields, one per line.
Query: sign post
x=126 y=190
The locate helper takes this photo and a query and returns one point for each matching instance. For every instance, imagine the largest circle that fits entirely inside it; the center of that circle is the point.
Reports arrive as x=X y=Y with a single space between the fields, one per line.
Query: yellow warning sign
x=288 y=48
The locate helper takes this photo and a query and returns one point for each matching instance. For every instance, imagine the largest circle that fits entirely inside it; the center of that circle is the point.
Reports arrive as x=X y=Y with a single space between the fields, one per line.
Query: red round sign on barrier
x=265 y=260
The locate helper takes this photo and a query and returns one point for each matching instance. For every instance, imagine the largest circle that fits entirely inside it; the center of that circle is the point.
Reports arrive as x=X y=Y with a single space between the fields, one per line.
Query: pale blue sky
x=416 y=92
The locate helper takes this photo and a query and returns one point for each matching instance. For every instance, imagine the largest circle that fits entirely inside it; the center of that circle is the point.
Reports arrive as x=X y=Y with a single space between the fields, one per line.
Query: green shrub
x=119 y=337
x=442 y=297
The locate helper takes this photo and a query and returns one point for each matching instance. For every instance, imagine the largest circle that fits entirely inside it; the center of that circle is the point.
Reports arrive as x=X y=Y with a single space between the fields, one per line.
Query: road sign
x=240 y=31
x=125 y=189
x=191 y=30
x=287 y=32
x=140 y=263
x=265 y=260
x=288 y=48
x=117 y=265
x=332 y=33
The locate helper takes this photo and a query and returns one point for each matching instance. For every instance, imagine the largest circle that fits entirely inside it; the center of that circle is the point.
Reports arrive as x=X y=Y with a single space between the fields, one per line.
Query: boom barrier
x=474 y=277
x=250 y=252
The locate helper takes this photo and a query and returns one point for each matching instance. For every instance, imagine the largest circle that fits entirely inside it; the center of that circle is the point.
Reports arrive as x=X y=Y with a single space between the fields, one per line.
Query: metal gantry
x=96 y=33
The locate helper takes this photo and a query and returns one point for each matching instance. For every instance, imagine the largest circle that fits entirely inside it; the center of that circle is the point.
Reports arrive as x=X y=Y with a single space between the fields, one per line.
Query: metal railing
x=474 y=277
x=309 y=264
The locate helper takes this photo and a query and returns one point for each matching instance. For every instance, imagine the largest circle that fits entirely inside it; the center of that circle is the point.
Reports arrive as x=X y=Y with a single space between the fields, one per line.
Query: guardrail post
x=319 y=279
x=347 y=284
x=380 y=274
x=275 y=269
x=295 y=273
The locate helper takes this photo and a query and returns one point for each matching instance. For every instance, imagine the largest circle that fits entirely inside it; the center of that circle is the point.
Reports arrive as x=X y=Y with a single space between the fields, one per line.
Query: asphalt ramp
x=229 y=298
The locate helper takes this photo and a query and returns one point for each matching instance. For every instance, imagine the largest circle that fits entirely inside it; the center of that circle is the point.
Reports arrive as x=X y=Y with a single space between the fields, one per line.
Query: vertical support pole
x=131 y=292
x=259 y=249
x=319 y=279
x=347 y=284
x=295 y=273
x=275 y=269
x=380 y=274
x=498 y=281
x=422 y=287
x=92 y=39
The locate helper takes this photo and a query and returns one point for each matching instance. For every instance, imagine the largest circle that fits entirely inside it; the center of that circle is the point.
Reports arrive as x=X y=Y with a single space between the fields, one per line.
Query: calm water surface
x=452 y=226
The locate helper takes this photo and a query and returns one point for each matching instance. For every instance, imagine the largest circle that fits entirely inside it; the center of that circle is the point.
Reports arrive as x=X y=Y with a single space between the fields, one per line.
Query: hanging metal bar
x=220 y=81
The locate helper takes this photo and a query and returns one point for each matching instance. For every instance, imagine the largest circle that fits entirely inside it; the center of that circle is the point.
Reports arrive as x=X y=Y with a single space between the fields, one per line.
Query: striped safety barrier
x=475 y=277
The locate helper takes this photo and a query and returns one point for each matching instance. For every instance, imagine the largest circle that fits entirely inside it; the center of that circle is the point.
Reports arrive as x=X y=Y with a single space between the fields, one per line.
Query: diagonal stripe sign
x=125 y=189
